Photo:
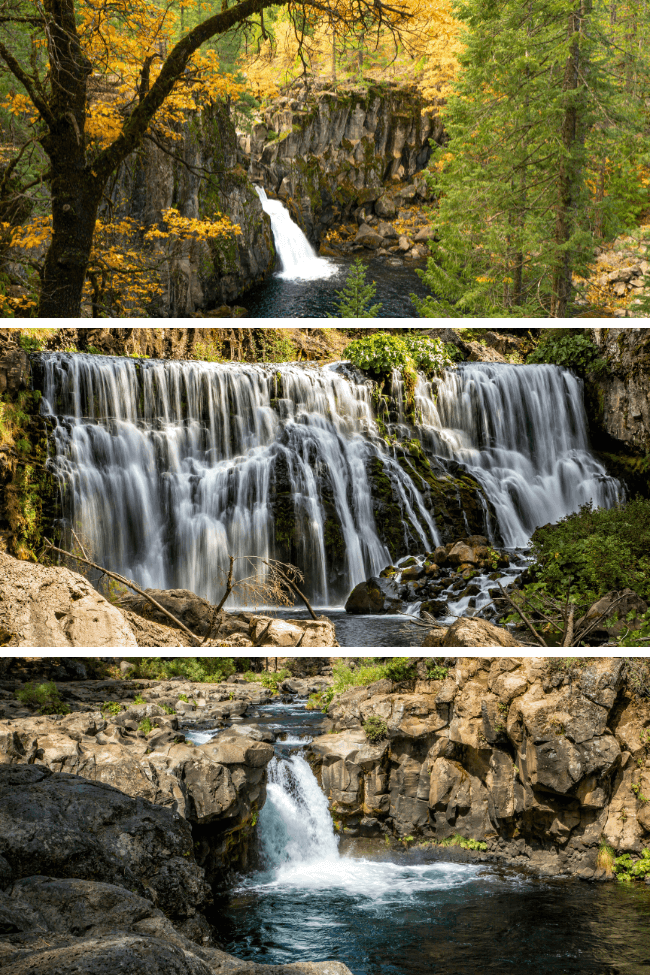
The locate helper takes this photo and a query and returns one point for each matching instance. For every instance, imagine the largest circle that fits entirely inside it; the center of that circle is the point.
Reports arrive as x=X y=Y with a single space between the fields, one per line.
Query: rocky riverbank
x=543 y=760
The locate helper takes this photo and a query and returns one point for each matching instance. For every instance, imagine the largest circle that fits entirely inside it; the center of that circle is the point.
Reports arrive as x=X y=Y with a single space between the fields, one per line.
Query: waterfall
x=522 y=432
x=300 y=849
x=299 y=260
x=168 y=468
x=295 y=823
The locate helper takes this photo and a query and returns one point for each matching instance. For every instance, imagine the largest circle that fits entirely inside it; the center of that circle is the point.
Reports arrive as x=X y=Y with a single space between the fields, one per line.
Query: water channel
x=315 y=897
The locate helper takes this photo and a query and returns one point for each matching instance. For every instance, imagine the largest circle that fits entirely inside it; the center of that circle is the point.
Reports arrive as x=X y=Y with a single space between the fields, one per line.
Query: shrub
x=196 y=669
x=112 y=707
x=593 y=552
x=271 y=680
x=571 y=348
x=45 y=697
x=138 y=699
x=436 y=671
x=376 y=730
x=382 y=352
x=463 y=843
x=145 y=726
x=627 y=869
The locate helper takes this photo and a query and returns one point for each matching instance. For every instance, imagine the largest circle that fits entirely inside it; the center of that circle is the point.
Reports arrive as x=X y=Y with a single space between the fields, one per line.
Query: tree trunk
x=572 y=136
x=74 y=212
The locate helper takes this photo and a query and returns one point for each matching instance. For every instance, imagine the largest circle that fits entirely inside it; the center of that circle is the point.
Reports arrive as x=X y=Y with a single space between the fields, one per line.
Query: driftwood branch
x=125 y=582
x=293 y=586
x=540 y=641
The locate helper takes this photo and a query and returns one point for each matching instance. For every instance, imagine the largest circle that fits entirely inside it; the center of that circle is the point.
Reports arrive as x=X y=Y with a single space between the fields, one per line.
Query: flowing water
x=167 y=468
x=414 y=913
x=298 y=259
x=306 y=285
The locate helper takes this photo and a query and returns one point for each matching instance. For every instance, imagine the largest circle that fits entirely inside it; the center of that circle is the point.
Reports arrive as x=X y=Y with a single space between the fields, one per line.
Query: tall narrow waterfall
x=168 y=468
x=298 y=258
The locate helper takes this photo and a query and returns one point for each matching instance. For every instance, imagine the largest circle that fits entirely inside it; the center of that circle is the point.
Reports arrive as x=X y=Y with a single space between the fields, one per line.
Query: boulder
x=67 y=826
x=368 y=237
x=385 y=207
x=467 y=632
x=53 y=607
x=193 y=611
x=375 y=595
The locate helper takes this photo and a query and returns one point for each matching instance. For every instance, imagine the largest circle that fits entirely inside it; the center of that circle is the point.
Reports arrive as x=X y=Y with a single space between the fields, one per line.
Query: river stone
x=44 y=606
x=375 y=595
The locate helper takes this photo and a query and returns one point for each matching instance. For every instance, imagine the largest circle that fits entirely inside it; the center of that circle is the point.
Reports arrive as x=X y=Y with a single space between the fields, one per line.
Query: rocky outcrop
x=203 y=181
x=93 y=881
x=468 y=632
x=330 y=153
x=621 y=400
x=541 y=759
x=53 y=607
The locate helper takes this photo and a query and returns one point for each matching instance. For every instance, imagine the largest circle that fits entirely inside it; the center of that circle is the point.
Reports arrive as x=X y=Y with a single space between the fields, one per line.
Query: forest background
x=545 y=105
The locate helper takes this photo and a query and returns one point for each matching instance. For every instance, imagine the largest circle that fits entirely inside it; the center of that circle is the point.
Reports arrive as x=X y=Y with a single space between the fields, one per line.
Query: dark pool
x=364 y=631
x=409 y=915
x=277 y=298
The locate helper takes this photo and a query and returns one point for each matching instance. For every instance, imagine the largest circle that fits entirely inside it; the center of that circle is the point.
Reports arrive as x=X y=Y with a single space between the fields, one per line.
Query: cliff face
x=328 y=153
x=618 y=405
x=540 y=759
x=199 y=175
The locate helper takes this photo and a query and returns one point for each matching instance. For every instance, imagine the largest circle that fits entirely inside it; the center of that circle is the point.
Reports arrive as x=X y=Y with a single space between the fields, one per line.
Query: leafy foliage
x=595 y=551
x=112 y=707
x=627 y=869
x=44 y=697
x=376 y=730
x=145 y=726
x=571 y=348
x=463 y=843
x=355 y=298
x=382 y=352
x=197 y=669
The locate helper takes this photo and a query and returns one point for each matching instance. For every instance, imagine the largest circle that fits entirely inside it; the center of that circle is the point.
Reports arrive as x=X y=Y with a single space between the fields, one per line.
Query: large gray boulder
x=66 y=826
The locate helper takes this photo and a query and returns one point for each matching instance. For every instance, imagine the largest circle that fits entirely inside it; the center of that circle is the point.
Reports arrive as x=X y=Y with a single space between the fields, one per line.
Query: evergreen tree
x=542 y=99
x=356 y=295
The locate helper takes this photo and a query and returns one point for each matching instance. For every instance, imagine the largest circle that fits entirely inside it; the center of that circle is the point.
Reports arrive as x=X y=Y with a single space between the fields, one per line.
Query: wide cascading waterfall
x=299 y=260
x=169 y=468
x=522 y=432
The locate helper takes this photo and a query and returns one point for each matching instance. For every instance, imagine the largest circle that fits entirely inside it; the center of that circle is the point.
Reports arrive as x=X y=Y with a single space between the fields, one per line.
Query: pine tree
x=542 y=95
x=356 y=295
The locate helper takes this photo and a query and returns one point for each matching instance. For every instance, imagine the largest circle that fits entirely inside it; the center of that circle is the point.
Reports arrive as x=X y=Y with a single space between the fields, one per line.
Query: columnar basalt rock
x=335 y=152
x=542 y=762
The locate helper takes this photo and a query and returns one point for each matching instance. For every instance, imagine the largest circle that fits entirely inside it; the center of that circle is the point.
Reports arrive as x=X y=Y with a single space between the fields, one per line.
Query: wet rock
x=368 y=237
x=385 y=207
x=374 y=596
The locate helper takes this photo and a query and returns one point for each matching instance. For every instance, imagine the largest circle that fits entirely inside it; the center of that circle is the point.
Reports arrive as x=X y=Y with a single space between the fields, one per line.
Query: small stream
x=381 y=912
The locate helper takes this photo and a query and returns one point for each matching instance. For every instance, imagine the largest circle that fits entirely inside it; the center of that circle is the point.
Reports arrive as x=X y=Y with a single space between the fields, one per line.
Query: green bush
x=271 y=680
x=197 y=669
x=627 y=869
x=112 y=707
x=463 y=843
x=382 y=352
x=436 y=671
x=595 y=551
x=45 y=697
x=376 y=730
x=138 y=699
x=571 y=348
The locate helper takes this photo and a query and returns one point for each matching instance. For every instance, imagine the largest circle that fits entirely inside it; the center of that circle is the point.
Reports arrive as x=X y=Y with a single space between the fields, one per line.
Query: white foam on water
x=299 y=260
x=301 y=854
